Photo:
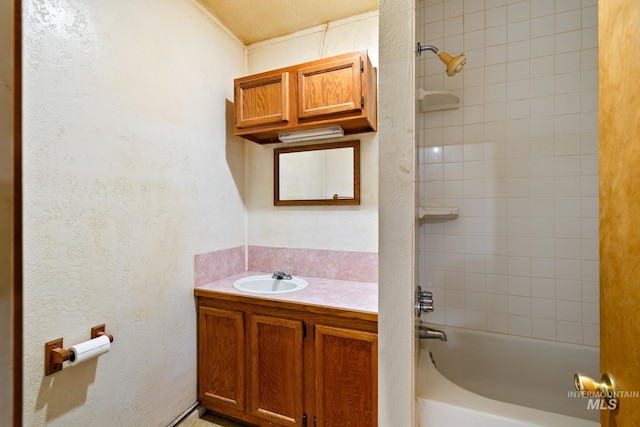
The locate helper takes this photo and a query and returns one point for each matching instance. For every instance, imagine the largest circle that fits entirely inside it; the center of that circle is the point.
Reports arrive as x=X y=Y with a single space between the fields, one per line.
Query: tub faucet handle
x=426 y=301
x=423 y=301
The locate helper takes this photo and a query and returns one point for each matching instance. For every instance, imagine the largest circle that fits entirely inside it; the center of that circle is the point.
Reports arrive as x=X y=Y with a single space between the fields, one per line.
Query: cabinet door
x=262 y=101
x=276 y=370
x=221 y=358
x=330 y=88
x=346 y=363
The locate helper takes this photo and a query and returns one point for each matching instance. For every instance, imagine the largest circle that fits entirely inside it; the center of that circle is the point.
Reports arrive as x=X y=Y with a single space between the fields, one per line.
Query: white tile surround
x=520 y=160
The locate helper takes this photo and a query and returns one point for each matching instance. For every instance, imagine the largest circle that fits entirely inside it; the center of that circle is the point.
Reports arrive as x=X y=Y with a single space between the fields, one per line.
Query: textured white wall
x=348 y=228
x=129 y=172
x=6 y=123
x=397 y=213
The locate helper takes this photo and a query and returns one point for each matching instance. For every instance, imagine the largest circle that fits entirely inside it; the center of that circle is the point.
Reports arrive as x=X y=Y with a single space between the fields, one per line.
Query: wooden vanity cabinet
x=340 y=90
x=304 y=365
x=346 y=363
x=221 y=359
x=276 y=379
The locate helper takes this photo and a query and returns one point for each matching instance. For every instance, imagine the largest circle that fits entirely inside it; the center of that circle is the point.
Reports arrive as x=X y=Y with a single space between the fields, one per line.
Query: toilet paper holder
x=55 y=353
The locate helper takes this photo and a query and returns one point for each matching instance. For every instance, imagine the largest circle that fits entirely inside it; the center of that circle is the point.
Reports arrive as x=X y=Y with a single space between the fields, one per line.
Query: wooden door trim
x=16 y=295
x=619 y=161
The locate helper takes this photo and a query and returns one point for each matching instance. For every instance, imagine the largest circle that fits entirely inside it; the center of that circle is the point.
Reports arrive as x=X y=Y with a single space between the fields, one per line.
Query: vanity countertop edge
x=352 y=299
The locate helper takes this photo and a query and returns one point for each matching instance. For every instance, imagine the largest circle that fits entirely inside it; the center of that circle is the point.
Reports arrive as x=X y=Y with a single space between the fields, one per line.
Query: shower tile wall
x=520 y=160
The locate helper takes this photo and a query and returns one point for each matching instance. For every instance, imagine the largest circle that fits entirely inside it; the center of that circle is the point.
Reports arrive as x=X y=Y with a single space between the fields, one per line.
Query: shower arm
x=454 y=63
x=421 y=48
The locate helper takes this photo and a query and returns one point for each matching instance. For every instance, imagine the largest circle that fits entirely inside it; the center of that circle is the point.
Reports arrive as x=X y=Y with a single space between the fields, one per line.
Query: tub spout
x=425 y=332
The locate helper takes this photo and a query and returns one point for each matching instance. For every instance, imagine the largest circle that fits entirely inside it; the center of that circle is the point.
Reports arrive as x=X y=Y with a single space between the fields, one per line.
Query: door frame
x=619 y=175
x=16 y=206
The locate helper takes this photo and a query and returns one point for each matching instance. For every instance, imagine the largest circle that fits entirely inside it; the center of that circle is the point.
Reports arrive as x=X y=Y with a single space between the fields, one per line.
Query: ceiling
x=253 y=21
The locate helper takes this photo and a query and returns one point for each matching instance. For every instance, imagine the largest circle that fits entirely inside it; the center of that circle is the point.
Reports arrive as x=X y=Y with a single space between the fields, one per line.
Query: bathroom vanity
x=292 y=359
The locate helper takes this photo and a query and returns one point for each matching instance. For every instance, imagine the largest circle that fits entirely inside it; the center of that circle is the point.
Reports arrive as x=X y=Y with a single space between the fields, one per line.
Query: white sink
x=267 y=285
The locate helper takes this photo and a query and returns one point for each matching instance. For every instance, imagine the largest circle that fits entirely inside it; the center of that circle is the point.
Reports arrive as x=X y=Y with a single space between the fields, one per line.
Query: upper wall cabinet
x=262 y=101
x=340 y=90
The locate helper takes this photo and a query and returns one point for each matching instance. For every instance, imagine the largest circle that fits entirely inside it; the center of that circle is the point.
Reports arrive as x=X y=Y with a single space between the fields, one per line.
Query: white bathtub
x=485 y=379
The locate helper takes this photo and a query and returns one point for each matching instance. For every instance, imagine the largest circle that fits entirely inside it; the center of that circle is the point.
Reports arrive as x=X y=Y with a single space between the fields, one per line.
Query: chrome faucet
x=430 y=333
x=281 y=275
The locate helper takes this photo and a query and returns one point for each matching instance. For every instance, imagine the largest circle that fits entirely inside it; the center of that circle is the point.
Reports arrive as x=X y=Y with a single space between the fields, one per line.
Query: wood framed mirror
x=319 y=174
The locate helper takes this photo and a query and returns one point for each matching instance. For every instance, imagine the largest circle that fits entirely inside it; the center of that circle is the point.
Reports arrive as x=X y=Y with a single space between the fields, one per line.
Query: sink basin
x=267 y=285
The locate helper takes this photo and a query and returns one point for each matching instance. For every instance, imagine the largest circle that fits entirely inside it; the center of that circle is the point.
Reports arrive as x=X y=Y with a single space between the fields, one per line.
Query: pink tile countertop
x=344 y=294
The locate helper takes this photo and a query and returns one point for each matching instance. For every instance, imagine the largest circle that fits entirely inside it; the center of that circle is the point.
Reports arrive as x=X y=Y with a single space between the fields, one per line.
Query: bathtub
x=483 y=379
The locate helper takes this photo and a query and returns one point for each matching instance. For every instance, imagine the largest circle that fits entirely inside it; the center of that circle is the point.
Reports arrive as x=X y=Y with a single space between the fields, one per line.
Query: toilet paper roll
x=88 y=350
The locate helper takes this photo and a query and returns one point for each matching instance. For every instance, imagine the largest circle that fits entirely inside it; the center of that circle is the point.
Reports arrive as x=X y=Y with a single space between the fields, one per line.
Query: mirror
x=320 y=174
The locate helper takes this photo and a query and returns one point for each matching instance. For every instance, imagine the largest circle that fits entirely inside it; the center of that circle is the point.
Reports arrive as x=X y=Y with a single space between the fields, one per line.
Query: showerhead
x=454 y=63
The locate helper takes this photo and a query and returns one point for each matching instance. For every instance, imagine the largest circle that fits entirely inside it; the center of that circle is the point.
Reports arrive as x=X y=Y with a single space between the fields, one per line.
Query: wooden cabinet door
x=276 y=387
x=330 y=88
x=346 y=363
x=262 y=100
x=221 y=358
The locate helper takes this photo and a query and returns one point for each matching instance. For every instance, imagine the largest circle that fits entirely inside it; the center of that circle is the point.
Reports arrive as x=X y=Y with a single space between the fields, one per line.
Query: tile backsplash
x=327 y=264
x=212 y=266
x=519 y=158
